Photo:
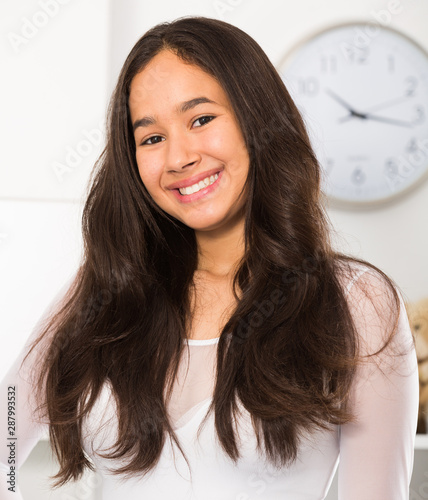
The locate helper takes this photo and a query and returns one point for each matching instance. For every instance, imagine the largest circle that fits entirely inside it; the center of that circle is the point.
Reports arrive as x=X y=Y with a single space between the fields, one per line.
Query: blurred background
x=60 y=60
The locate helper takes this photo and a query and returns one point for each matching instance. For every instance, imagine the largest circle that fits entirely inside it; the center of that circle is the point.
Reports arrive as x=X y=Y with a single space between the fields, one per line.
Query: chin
x=204 y=225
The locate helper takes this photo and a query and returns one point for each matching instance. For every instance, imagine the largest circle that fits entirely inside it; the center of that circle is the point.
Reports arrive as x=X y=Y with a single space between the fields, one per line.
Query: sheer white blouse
x=375 y=452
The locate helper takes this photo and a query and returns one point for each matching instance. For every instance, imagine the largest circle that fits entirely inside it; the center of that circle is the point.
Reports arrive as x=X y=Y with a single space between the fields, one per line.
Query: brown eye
x=153 y=140
x=203 y=120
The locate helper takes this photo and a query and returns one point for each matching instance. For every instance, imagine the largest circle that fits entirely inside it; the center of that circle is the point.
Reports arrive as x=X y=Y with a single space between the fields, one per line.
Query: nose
x=181 y=152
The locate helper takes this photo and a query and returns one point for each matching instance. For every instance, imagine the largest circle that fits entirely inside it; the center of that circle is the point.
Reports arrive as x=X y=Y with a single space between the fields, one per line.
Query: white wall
x=56 y=83
x=53 y=95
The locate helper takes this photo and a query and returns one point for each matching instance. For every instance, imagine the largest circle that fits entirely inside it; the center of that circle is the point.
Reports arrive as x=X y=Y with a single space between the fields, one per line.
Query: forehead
x=167 y=79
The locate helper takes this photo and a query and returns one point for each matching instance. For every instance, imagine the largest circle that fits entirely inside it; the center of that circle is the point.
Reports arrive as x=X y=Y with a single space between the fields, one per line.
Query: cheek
x=150 y=173
x=225 y=143
x=212 y=144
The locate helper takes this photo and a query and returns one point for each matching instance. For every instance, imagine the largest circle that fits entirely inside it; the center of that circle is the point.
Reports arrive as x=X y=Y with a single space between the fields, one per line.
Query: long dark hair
x=293 y=348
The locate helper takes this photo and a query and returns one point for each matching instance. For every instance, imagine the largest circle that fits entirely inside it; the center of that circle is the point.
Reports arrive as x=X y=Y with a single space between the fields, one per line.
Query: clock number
x=308 y=86
x=328 y=64
x=358 y=177
x=411 y=85
x=354 y=54
x=420 y=115
x=412 y=145
x=391 y=169
x=398 y=169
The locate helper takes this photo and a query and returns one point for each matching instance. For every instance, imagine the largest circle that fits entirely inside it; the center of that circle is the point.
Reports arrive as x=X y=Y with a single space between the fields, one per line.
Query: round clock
x=363 y=92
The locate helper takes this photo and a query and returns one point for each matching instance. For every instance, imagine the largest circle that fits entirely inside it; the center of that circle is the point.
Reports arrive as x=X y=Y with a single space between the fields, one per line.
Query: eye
x=203 y=120
x=154 y=139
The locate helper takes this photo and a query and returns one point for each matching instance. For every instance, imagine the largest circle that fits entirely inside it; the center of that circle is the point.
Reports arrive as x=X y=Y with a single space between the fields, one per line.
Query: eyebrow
x=182 y=108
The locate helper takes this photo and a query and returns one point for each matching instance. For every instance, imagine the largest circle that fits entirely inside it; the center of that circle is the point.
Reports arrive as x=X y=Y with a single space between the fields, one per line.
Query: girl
x=212 y=344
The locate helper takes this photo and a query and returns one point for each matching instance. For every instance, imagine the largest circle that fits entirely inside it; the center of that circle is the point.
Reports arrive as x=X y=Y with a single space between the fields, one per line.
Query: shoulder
x=377 y=309
x=364 y=285
x=357 y=275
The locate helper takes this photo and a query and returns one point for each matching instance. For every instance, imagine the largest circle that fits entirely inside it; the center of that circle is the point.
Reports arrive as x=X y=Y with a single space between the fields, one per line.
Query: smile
x=198 y=190
x=198 y=186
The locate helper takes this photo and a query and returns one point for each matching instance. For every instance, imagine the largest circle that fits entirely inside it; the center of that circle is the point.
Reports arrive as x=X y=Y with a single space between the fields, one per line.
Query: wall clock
x=363 y=92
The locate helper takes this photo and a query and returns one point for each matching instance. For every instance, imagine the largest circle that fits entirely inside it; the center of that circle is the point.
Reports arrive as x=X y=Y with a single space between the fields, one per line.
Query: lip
x=194 y=180
x=201 y=193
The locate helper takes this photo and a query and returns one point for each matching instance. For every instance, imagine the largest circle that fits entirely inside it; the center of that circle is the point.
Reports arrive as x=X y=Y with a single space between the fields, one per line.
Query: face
x=190 y=151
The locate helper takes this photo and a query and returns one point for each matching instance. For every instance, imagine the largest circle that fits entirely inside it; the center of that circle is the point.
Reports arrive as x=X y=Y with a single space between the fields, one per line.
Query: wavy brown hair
x=293 y=346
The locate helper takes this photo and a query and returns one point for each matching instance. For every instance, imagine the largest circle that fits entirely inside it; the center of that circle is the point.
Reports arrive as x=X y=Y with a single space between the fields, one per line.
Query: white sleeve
x=19 y=436
x=377 y=450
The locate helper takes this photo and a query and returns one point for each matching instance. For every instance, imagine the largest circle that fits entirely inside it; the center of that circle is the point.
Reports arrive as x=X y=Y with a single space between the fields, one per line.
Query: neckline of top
x=202 y=341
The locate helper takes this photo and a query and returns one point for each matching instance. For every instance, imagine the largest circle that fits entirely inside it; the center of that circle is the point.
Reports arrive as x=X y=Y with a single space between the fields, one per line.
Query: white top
x=376 y=452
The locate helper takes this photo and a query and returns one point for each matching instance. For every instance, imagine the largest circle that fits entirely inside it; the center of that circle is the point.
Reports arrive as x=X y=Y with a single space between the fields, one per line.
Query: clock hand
x=368 y=116
x=383 y=119
x=342 y=102
x=387 y=104
x=352 y=115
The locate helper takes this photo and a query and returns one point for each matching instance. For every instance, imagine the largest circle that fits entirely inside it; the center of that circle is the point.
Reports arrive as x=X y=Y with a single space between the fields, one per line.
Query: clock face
x=363 y=92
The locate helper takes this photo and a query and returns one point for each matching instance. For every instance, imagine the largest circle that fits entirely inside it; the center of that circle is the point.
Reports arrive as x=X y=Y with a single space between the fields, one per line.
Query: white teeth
x=200 y=185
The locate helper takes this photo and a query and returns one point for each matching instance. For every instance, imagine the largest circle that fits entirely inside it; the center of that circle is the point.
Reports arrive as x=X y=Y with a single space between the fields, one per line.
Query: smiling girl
x=212 y=344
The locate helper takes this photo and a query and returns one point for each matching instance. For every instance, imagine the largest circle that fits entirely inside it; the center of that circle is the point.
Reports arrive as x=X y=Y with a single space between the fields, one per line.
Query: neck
x=221 y=250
